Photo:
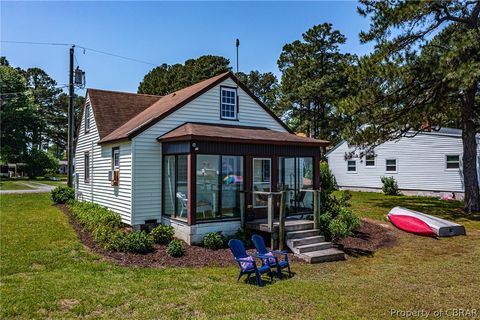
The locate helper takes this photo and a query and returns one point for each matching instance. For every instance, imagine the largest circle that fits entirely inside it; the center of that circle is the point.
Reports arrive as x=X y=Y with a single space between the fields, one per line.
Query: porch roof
x=238 y=134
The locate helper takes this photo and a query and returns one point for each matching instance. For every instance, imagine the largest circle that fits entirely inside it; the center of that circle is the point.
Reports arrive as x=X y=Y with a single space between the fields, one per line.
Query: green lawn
x=47 y=273
x=13 y=185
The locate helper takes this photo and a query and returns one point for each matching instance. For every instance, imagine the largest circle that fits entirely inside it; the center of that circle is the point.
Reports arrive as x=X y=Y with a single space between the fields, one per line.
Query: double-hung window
x=351 y=166
x=115 y=158
x=228 y=103
x=370 y=160
x=453 y=161
x=391 y=165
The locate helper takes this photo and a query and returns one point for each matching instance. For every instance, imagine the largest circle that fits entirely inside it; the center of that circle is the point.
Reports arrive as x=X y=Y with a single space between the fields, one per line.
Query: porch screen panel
x=305 y=181
x=261 y=180
x=208 y=186
x=232 y=183
x=181 y=186
x=169 y=185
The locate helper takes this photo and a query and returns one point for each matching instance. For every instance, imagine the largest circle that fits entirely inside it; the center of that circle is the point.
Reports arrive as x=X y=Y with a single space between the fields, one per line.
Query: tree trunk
x=470 y=177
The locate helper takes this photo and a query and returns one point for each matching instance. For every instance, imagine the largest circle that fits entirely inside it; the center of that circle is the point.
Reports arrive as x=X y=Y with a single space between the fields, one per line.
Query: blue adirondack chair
x=272 y=261
x=247 y=265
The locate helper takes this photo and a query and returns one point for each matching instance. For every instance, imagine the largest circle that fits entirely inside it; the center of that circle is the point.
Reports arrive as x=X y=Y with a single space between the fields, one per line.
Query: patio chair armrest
x=284 y=253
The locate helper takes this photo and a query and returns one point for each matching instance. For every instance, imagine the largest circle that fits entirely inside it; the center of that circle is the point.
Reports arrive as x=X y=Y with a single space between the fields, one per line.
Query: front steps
x=307 y=244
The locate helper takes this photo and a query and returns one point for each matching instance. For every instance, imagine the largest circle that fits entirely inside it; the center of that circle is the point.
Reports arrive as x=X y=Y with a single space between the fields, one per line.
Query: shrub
x=92 y=215
x=244 y=236
x=39 y=162
x=390 y=186
x=136 y=242
x=175 y=248
x=343 y=225
x=162 y=234
x=63 y=194
x=213 y=240
x=328 y=185
x=108 y=238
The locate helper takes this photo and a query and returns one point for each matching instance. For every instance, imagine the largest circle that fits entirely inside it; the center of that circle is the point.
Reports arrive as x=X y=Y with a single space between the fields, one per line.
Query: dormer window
x=228 y=103
x=87 y=118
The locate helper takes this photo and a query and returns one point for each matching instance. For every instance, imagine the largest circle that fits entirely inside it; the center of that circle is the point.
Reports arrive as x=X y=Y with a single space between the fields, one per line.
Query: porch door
x=261 y=180
x=296 y=174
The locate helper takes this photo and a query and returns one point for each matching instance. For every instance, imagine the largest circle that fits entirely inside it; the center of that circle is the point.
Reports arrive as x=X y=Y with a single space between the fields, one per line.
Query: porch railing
x=282 y=209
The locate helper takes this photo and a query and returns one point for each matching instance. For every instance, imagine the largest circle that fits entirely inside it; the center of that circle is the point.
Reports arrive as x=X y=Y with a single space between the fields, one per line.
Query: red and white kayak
x=423 y=224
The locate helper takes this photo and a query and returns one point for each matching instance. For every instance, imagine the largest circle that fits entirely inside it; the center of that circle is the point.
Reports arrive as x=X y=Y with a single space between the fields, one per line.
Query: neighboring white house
x=190 y=159
x=429 y=163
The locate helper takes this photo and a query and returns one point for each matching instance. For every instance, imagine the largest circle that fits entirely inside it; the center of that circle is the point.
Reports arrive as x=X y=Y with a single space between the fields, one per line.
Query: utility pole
x=71 y=126
x=237 y=43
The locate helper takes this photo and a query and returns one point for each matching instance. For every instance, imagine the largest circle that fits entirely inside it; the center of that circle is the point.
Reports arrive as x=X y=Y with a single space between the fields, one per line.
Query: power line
x=82 y=47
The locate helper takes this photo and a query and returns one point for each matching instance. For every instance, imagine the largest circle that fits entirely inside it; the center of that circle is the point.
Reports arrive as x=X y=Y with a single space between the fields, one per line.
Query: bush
x=328 y=184
x=343 y=225
x=213 y=240
x=136 y=242
x=162 y=234
x=243 y=236
x=107 y=238
x=63 y=194
x=39 y=162
x=175 y=248
x=390 y=186
x=92 y=215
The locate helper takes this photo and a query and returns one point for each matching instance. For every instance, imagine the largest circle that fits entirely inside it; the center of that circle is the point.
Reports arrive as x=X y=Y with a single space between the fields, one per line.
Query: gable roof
x=160 y=108
x=112 y=109
x=239 y=134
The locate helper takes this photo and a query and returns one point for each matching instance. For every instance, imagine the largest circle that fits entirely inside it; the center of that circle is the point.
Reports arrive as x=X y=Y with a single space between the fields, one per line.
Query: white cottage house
x=428 y=164
x=191 y=159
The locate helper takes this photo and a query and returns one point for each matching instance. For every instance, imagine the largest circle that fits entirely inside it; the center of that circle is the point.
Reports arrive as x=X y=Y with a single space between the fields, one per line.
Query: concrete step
x=302 y=234
x=326 y=255
x=304 y=241
x=313 y=247
x=303 y=225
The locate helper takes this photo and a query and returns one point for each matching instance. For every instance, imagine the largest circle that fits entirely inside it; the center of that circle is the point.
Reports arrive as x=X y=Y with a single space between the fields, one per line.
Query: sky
x=163 y=32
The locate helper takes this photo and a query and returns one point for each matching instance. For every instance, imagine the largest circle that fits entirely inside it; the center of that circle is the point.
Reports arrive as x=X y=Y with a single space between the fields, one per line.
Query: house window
x=86 y=167
x=87 y=118
x=115 y=174
x=391 y=165
x=228 y=105
x=175 y=186
x=115 y=158
x=351 y=166
x=453 y=161
x=370 y=160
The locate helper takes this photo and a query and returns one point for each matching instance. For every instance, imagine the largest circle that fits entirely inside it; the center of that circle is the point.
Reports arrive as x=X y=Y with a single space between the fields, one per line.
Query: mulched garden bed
x=195 y=256
x=369 y=237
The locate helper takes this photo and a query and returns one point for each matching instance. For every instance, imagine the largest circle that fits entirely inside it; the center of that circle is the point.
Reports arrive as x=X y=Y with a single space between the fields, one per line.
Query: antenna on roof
x=237 y=43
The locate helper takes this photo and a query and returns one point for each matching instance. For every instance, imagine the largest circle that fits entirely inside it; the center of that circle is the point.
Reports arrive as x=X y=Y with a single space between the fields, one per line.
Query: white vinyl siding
x=99 y=188
x=147 y=151
x=420 y=164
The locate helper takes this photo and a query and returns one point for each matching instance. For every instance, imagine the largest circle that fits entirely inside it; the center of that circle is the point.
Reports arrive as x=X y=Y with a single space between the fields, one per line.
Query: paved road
x=37 y=188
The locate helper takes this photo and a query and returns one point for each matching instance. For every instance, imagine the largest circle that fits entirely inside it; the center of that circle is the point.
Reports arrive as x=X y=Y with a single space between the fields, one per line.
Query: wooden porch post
x=192 y=186
x=281 y=221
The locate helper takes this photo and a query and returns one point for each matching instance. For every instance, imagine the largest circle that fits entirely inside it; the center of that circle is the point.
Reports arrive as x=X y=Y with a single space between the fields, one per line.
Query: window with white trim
x=351 y=166
x=370 y=160
x=115 y=158
x=452 y=161
x=86 y=167
x=391 y=165
x=228 y=103
x=87 y=118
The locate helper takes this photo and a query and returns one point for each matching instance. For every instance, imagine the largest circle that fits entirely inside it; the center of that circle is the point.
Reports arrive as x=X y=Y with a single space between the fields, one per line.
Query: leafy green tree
x=264 y=86
x=166 y=79
x=314 y=79
x=43 y=91
x=16 y=114
x=415 y=81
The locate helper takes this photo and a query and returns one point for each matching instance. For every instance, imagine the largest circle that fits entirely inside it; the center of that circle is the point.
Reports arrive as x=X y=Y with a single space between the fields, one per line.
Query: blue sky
x=163 y=32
